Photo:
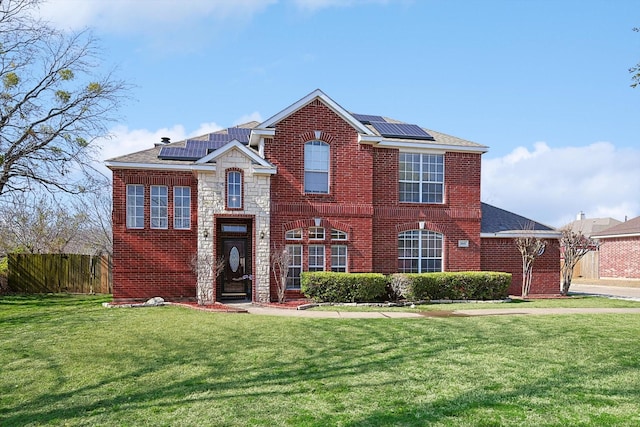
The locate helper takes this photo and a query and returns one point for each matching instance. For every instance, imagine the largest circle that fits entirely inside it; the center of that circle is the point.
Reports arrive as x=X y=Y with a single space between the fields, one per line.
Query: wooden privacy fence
x=46 y=273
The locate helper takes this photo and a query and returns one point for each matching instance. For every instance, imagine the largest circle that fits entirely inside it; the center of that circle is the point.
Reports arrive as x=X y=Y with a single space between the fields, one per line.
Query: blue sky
x=544 y=84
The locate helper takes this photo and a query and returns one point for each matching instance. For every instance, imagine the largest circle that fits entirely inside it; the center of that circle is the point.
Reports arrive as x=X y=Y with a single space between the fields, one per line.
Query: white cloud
x=145 y=15
x=551 y=185
x=255 y=116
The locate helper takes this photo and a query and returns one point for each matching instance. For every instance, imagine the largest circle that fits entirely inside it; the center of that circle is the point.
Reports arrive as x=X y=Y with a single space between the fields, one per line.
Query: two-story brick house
x=341 y=191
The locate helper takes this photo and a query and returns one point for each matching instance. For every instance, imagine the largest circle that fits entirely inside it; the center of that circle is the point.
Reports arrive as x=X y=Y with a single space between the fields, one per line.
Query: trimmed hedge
x=468 y=285
x=326 y=286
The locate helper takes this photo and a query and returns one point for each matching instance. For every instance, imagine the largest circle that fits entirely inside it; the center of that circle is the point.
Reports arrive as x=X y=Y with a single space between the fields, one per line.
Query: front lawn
x=69 y=361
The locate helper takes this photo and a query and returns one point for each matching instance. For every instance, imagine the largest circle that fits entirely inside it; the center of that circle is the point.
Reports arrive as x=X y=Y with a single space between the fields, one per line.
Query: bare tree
x=39 y=225
x=53 y=103
x=207 y=269
x=530 y=247
x=280 y=268
x=635 y=70
x=574 y=246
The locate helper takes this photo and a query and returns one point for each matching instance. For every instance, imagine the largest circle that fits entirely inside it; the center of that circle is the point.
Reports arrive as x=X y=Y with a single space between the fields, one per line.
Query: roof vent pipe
x=163 y=141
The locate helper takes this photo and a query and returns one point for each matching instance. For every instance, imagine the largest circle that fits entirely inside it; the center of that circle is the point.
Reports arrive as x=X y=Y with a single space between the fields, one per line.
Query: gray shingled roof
x=150 y=156
x=625 y=228
x=591 y=226
x=496 y=220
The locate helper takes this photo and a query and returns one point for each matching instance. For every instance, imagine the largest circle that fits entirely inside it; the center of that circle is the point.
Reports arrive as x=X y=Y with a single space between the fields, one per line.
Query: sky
x=543 y=83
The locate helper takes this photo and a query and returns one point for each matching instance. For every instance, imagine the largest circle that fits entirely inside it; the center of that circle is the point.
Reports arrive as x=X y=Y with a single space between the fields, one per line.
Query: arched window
x=316 y=167
x=234 y=190
x=419 y=251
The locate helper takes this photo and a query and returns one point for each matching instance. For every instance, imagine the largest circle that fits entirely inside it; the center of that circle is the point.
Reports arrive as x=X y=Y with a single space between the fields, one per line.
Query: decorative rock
x=155 y=301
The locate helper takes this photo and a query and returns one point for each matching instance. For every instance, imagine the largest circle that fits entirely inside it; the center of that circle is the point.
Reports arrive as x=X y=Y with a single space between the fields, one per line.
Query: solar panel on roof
x=181 y=153
x=241 y=134
x=401 y=130
x=208 y=145
x=367 y=118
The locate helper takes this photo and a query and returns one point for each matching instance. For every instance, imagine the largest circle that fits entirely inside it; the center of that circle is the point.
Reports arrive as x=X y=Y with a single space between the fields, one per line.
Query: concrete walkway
x=271 y=311
x=626 y=292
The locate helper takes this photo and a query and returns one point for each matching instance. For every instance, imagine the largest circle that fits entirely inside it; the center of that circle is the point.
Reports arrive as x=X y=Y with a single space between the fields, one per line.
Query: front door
x=235 y=277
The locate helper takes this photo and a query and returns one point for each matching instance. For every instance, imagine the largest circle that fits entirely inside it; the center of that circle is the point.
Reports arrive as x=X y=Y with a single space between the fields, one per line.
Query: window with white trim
x=182 y=208
x=316 y=167
x=295 y=266
x=421 y=178
x=338 y=235
x=316 y=233
x=419 y=251
x=294 y=234
x=316 y=257
x=339 y=258
x=159 y=202
x=234 y=190
x=135 y=206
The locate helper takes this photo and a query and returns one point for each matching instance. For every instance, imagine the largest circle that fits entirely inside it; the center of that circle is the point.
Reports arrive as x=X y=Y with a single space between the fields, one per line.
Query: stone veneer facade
x=212 y=207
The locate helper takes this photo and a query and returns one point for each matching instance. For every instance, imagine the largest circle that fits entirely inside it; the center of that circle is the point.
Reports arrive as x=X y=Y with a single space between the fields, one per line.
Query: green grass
x=569 y=302
x=69 y=361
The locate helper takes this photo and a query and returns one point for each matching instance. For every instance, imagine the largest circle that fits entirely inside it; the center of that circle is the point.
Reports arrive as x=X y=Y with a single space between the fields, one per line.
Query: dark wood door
x=235 y=275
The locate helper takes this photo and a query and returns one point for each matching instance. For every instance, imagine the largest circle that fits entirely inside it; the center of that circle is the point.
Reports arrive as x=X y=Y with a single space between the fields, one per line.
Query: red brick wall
x=458 y=218
x=363 y=197
x=620 y=258
x=503 y=255
x=151 y=262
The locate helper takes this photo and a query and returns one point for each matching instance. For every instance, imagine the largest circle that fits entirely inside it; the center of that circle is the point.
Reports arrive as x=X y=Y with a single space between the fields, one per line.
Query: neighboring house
x=500 y=228
x=620 y=250
x=588 y=266
x=340 y=191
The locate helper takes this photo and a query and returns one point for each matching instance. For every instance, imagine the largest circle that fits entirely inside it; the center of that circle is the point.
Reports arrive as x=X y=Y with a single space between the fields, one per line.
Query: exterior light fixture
x=262 y=234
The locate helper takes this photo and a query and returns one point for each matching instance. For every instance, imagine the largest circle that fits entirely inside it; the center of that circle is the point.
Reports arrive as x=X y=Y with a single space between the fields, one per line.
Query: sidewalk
x=271 y=311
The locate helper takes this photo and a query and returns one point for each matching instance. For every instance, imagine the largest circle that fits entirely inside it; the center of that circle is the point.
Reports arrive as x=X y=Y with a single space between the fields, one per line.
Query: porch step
x=234 y=295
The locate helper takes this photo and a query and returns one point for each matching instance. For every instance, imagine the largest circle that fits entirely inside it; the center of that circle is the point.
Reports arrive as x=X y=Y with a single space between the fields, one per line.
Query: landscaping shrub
x=472 y=285
x=399 y=285
x=325 y=286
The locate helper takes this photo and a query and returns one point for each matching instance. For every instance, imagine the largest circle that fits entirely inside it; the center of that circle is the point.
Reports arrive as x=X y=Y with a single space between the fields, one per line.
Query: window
x=234 y=190
x=294 y=234
x=316 y=167
x=339 y=258
x=419 y=251
x=181 y=208
x=316 y=258
x=421 y=178
x=234 y=228
x=295 y=266
x=338 y=235
x=159 y=206
x=135 y=206
x=316 y=233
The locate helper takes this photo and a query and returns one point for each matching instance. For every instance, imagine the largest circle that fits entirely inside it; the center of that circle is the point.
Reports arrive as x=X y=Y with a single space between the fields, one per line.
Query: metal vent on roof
x=402 y=130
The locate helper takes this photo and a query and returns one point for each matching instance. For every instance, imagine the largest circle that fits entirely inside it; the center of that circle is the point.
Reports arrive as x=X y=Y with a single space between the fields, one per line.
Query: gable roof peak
x=306 y=100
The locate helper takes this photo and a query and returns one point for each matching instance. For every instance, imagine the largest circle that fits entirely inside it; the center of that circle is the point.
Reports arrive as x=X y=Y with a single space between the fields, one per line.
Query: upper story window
x=159 y=203
x=182 y=208
x=316 y=167
x=294 y=234
x=316 y=233
x=234 y=190
x=135 y=206
x=421 y=178
x=338 y=235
